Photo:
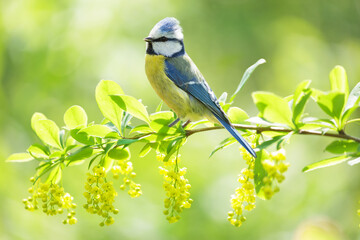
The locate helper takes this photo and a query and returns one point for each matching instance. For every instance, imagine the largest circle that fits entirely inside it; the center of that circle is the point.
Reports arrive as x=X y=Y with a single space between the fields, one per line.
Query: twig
x=277 y=129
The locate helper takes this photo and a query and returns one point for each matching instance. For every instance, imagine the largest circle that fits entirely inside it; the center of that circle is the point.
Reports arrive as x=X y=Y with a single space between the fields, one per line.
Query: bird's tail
x=236 y=135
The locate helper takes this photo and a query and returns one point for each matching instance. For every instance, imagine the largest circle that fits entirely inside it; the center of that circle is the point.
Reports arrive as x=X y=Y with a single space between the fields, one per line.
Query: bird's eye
x=162 y=39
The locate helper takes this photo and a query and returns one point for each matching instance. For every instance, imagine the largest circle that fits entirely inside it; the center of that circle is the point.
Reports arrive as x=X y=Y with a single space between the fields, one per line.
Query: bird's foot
x=186 y=123
x=174 y=122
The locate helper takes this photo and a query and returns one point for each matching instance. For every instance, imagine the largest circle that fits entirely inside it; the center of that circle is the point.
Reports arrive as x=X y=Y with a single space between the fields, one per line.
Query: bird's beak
x=148 y=39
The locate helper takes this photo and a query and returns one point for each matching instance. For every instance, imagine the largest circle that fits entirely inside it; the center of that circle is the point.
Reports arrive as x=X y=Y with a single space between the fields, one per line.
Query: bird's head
x=166 y=38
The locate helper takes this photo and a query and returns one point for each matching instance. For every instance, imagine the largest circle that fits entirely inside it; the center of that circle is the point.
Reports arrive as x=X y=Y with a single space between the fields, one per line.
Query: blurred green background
x=53 y=53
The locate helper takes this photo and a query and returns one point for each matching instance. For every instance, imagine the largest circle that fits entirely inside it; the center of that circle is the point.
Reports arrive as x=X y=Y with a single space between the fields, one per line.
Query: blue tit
x=177 y=80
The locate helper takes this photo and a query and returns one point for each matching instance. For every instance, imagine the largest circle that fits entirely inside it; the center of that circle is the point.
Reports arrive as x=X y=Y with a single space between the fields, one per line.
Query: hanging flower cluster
x=245 y=196
x=125 y=168
x=53 y=200
x=100 y=195
x=176 y=187
x=275 y=167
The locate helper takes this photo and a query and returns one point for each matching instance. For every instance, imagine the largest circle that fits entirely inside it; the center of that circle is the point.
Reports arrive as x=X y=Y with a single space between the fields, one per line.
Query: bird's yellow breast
x=174 y=97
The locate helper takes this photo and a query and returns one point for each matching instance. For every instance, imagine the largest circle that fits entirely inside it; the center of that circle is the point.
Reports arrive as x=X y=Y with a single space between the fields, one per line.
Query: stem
x=341 y=135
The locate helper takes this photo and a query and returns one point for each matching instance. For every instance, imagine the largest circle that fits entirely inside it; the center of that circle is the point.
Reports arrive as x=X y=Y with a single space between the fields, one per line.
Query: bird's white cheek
x=168 y=48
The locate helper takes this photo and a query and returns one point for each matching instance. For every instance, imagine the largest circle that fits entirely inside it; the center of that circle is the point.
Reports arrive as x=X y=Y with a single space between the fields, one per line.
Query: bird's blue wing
x=186 y=76
x=183 y=72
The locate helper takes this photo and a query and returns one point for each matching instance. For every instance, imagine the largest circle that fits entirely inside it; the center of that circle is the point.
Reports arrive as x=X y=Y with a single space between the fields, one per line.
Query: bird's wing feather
x=184 y=73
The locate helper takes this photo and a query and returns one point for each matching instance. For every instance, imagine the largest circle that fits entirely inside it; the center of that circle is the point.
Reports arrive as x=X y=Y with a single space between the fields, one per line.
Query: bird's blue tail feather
x=237 y=136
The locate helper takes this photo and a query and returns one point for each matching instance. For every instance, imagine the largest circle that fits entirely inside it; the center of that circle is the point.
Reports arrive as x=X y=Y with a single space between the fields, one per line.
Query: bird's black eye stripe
x=161 y=39
x=164 y=39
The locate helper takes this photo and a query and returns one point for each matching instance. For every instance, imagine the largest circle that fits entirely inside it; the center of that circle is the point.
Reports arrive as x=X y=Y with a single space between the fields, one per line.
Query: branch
x=278 y=129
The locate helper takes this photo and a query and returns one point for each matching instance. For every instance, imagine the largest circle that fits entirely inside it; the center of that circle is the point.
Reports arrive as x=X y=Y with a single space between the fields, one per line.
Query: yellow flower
x=54 y=199
x=125 y=168
x=275 y=167
x=244 y=197
x=100 y=196
x=72 y=220
x=176 y=188
x=278 y=155
x=66 y=201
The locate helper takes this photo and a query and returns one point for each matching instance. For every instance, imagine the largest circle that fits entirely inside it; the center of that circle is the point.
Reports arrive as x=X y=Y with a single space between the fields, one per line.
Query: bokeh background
x=53 y=54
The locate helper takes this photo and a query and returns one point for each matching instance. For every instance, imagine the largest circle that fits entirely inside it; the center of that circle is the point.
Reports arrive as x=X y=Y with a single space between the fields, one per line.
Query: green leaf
x=338 y=80
x=36 y=117
x=268 y=143
x=299 y=92
x=237 y=115
x=331 y=103
x=225 y=106
x=141 y=129
x=125 y=121
x=159 y=107
x=97 y=130
x=82 y=137
x=55 y=175
x=113 y=135
x=107 y=163
x=225 y=143
x=246 y=76
x=301 y=96
x=115 y=132
x=352 y=102
x=173 y=147
x=259 y=171
x=326 y=163
x=43 y=168
x=56 y=154
x=342 y=146
x=48 y=132
x=273 y=108
x=75 y=117
x=192 y=125
x=126 y=142
x=160 y=123
x=19 y=157
x=108 y=108
x=160 y=127
x=172 y=144
x=63 y=137
x=300 y=106
x=93 y=160
x=165 y=116
x=153 y=138
x=132 y=106
x=70 y=140
x=162 y=147
x=119 y=153
x=71 y=147
x=145 y=150
x=308 y=126
x=81 y=153
x=38 y=151
x=322 y=123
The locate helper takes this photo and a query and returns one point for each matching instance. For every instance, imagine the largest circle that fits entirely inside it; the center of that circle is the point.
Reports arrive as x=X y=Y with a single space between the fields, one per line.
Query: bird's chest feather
x=174 y=97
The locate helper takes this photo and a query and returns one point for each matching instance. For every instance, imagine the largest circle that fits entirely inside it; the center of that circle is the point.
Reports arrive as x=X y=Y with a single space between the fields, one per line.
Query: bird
x=177 y=80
